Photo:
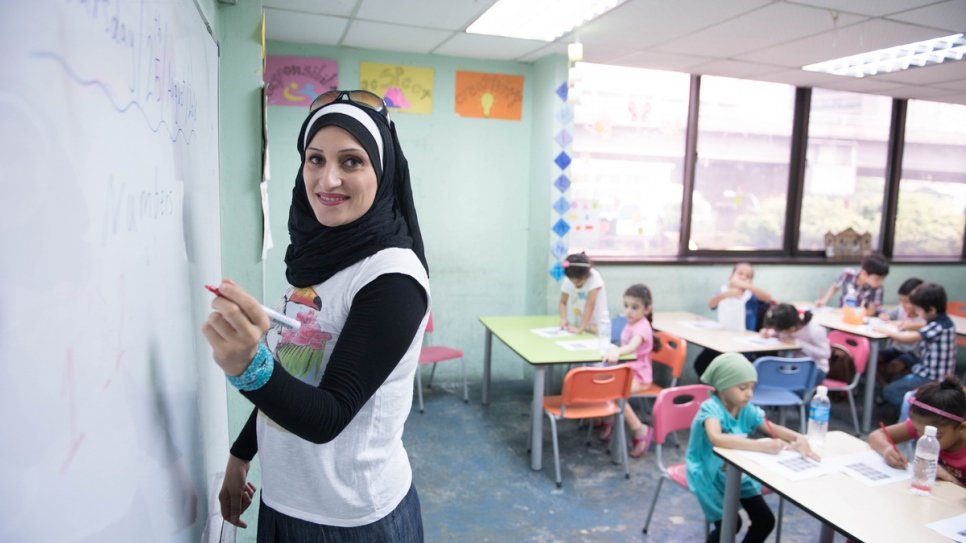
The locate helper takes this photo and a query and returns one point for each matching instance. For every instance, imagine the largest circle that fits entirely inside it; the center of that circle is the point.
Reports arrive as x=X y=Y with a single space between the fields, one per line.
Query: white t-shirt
x=577 y=300
x=731 y=311
x=360 y=476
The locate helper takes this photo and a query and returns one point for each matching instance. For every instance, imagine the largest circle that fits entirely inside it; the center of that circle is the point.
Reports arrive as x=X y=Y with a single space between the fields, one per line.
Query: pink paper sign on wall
x=296 y=81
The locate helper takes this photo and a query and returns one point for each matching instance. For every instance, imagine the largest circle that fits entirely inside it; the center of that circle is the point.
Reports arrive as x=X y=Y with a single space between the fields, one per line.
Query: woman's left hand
x=234 y=328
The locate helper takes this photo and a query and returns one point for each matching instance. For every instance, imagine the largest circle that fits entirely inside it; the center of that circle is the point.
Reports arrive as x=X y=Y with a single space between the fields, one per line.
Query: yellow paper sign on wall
x=405 y=88
x=492 y=96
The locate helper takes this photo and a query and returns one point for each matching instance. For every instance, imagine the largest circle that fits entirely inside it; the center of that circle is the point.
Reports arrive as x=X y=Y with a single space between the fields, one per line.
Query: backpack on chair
x=841 y=367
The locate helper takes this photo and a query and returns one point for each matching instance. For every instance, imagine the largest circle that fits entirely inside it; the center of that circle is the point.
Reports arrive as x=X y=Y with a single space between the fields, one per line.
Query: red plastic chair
x=590 y=393
x=434 y=354
x=675 y=409
x=858 y=347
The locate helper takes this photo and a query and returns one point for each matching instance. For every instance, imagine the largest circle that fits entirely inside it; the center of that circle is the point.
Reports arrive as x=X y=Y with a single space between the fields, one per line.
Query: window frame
x=789 y=253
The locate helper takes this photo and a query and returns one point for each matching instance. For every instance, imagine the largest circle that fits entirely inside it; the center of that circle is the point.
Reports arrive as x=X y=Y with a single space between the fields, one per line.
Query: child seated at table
x=784 y=321
x=727 y=419
x=937 y=352
x=863 y=286
x=638 y=338
x=939 y=404
x=898 y=358
x=583 y=300
x=739 y=306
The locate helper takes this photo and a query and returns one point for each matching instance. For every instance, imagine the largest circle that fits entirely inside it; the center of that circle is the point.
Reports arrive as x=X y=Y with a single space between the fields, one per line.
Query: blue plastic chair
x=617 y=325
x=784 y=382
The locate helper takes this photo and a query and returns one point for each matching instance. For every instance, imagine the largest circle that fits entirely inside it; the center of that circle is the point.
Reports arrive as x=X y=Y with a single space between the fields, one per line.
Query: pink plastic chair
x=859 y=348
x=675 y=409
x=434 y=354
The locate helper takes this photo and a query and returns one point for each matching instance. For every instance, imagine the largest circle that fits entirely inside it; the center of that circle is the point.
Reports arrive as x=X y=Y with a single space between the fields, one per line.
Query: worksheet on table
x=551 y=332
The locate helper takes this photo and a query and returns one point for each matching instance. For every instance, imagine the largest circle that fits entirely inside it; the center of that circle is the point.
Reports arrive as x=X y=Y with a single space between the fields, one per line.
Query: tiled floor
x=471 y=468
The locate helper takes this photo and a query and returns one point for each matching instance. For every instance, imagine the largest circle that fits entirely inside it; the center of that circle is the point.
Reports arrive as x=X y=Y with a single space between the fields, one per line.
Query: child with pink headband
x=940 y=404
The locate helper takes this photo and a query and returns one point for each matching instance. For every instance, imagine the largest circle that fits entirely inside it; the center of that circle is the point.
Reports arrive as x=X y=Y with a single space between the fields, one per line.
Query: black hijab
x=318 y=252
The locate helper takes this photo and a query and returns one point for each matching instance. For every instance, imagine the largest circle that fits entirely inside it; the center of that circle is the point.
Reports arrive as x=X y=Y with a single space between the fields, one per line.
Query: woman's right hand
x=611 y=356
x=236 y=492
x=234 y=328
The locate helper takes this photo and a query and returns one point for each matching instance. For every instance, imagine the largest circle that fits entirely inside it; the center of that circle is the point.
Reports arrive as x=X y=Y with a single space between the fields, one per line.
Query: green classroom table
x=538 y=351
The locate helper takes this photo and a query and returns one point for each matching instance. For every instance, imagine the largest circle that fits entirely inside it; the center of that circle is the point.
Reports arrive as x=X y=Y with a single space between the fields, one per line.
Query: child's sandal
x=639 y=445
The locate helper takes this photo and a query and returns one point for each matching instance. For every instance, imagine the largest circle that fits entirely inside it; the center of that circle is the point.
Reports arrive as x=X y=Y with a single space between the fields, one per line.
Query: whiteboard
x=114 y=415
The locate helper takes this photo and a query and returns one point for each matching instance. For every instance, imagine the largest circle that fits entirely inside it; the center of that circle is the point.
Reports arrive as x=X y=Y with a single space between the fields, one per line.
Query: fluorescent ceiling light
x=893 y=59
x=544 y=20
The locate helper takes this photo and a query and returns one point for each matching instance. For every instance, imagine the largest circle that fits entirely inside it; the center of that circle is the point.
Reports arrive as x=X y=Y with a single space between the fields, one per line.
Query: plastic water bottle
x=924 y=466
x=603 y=334
x=818 y=412
x=850 y=299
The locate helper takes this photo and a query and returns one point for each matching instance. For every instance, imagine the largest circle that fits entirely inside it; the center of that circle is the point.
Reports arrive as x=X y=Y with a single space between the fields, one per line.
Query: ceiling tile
x=492 y=47
x=442 y=14
x=950 y=16
x=924 y=93
x=873 y=8
x=644 y=23
x=660 y=61
x=759 y=29
x=851 y=40
x=388 y=37
x=339 y=8
x=296 y=27
x=957 y=85
x=734 y=68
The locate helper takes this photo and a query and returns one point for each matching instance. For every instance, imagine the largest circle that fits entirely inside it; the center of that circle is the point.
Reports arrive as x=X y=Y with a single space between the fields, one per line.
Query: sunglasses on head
x=362 y=98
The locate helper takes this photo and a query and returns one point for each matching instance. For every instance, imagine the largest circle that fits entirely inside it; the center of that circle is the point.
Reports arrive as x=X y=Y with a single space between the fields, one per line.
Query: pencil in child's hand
x=888 y=437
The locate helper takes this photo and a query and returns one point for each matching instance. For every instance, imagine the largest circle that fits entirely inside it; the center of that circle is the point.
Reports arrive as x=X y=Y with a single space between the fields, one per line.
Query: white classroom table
x=860 y=512
x=704 y=332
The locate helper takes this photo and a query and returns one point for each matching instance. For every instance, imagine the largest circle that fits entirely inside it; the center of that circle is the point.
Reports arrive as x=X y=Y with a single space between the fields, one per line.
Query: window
x=632 y=183
x=848 y=139
x=932 y=193
x=741 y=175
x=629 y=130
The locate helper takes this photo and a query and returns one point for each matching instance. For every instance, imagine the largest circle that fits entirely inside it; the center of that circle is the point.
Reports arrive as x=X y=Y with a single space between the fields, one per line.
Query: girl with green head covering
x=729 y=419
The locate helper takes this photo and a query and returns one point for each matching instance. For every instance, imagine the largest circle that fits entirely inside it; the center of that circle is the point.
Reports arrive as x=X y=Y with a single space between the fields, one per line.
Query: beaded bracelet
x=258 y=371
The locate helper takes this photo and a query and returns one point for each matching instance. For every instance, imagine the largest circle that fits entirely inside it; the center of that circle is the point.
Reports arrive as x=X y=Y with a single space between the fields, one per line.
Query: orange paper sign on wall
x=491 y=96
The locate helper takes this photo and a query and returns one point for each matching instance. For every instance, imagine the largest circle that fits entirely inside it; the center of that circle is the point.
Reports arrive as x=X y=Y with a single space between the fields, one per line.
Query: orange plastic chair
x=590 y=393
x=675 y=409
x=673 y=354
x=859 y=348
x=957 y=308
x=434 y=354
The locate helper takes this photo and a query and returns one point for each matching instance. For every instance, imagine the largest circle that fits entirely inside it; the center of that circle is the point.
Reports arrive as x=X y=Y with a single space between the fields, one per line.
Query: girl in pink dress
x=637 y=338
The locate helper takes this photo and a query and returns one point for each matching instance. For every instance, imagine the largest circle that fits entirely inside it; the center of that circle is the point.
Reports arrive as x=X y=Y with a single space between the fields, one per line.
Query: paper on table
x=759 y=341
x=580 y=345
x=954 y=527
x=790 y=464
x=704 y=325
x=551 y=332
x=868 y=467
